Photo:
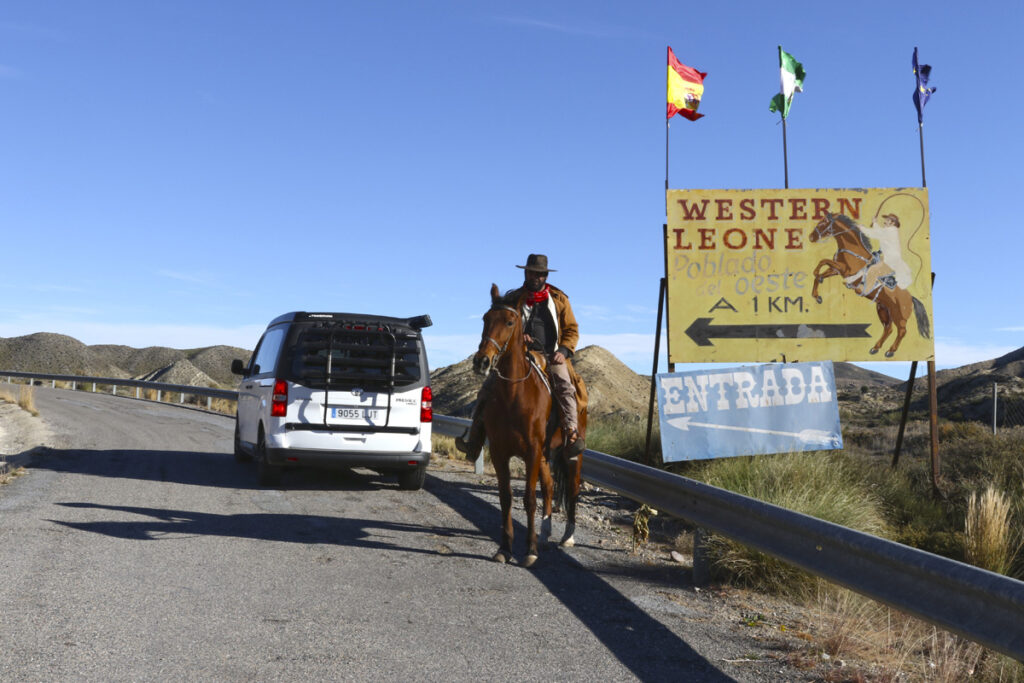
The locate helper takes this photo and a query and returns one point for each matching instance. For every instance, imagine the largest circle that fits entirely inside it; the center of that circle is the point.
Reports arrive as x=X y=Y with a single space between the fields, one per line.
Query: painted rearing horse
x=516 y=417
x=851 y=262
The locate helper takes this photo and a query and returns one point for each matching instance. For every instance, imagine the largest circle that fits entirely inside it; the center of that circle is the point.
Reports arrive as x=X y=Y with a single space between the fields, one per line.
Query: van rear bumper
x=305 y=457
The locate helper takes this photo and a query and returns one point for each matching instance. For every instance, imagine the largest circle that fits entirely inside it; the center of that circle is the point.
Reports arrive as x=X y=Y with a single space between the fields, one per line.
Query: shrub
x=820 y=485
x=989 y=540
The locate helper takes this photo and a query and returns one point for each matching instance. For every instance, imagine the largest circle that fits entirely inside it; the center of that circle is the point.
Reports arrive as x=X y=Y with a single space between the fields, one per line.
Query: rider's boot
x=472 y=441
x=574 y=444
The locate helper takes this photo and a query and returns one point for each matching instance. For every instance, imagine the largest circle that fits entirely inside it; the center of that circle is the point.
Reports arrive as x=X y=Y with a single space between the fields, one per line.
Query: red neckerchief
x=537 y=297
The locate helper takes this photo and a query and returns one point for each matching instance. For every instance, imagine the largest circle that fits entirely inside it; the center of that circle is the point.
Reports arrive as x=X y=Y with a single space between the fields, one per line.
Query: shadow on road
x=198 y=469
x=160 y=523
x=650 y=650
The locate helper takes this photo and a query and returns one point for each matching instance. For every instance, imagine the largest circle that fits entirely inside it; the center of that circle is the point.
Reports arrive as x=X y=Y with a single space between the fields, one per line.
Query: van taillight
x=426 y=412
x=279 y=399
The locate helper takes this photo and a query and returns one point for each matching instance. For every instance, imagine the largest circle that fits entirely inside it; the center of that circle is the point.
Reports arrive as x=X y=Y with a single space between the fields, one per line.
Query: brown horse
x=851 y=261
x=516 y=416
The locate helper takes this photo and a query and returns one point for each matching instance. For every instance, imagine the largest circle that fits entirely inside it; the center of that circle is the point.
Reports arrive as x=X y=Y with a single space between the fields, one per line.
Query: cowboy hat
x=538 y=262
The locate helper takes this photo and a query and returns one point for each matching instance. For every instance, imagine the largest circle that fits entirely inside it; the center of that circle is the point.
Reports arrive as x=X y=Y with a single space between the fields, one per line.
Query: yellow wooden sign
x=798 y=275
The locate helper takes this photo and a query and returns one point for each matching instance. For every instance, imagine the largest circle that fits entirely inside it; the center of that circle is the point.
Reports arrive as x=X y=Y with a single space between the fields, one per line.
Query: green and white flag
x=792 y=76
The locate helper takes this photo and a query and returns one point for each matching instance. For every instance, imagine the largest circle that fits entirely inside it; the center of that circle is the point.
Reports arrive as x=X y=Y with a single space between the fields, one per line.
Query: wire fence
x=1007 y=409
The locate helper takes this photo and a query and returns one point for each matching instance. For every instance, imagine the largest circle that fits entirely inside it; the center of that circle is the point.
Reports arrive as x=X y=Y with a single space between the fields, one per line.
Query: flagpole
x=785 y=148
x=785 y=153
x=920 y=133
x=666 y=169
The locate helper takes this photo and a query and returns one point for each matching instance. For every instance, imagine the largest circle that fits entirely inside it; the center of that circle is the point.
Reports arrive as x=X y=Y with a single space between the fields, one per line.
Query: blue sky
x=179 y=173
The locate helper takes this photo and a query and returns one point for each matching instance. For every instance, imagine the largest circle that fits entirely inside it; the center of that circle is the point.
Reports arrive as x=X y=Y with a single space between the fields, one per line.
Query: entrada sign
x=811 y=274
x=752 y=410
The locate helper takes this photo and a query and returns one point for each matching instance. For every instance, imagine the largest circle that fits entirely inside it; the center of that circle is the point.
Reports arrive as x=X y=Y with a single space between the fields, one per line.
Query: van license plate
x=354 y=414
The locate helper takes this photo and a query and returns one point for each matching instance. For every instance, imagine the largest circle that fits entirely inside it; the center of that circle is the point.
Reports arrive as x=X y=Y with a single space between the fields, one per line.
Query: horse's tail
x=560 y=475
x=923 y=326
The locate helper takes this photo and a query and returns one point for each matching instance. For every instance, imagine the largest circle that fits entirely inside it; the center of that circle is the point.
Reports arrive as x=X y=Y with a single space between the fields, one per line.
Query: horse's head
x=501 y=324
x=823 y=229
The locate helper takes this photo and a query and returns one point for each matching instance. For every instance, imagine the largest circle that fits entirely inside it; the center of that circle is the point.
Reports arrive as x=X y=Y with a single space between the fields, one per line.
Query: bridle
x=504 y=347
x=830 y=231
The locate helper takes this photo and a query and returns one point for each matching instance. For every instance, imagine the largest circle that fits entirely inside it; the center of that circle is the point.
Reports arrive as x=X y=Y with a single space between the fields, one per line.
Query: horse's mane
x=848 y=222
x=509 y=298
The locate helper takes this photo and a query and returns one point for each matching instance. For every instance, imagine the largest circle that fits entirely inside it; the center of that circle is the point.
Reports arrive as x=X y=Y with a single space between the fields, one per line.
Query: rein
x=503 y=348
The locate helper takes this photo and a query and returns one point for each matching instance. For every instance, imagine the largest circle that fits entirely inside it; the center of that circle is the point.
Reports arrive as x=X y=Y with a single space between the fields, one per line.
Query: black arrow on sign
x=701 y=331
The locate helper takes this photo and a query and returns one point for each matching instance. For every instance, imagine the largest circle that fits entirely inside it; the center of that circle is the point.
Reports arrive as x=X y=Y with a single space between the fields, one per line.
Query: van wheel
x=266 y=474
x=241 y=455
x=412 y=480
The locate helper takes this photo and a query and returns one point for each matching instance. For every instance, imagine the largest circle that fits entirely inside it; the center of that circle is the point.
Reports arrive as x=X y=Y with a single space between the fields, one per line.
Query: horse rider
x=889 y=250
x=549 y=326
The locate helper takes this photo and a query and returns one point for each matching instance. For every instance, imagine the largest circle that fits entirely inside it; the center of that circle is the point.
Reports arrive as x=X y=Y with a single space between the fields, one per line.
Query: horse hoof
x=889 y=354
x=545 y=529
x=873 y=351
x=529 y=561
x=818 y=299
x=568 y=542
x=500 y=558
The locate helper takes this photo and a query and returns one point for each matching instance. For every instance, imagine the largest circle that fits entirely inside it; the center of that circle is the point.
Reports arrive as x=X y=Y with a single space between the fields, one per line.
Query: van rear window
x=349 y=354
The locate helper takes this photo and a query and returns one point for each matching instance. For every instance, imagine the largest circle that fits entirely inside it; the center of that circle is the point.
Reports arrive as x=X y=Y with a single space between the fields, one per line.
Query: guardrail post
x=74 y=386
x=138 y=392
x=114 y=392
x=209 y=402
x=181 y=398
x=53 y=384
x=159 y=395
x=700 y=559
x=94 y=387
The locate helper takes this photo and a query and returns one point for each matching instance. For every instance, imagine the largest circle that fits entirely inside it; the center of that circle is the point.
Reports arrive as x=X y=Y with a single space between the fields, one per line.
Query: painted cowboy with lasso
x=549 y=328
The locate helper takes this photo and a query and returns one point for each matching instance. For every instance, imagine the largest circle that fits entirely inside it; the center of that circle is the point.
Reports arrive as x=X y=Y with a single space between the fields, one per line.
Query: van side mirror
x=237 y=367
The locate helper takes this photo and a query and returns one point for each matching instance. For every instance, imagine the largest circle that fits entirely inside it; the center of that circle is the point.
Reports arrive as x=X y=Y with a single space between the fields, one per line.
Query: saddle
x=539 y=360
x=869 y=280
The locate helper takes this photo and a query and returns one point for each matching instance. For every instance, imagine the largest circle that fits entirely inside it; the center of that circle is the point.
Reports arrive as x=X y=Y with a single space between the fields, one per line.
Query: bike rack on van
x=366 y=348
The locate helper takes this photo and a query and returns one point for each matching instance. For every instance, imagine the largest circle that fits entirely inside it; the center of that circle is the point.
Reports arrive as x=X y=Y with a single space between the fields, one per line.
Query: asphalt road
x=138 y=549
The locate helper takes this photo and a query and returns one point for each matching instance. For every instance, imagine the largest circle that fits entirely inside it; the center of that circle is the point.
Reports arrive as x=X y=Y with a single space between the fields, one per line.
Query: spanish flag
x=685 y=88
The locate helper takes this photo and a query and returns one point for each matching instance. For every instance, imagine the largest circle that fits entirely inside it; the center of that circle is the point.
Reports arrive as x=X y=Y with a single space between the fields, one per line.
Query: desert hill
x=62 y=355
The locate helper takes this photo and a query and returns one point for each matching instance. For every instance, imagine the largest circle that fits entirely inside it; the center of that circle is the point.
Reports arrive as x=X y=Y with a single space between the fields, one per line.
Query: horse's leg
x=831 y=268
x=902 y=309
x=886 y=320
x=500 y=463
x=574 y=470
x=546 y=487
x=530 y=504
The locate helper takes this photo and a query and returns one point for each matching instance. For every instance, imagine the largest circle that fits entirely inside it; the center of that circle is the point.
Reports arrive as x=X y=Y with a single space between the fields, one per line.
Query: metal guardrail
x=980 y=605
x=182 y=389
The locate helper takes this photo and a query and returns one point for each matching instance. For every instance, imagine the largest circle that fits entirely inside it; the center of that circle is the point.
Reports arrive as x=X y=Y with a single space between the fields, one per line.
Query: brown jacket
x=567 y=330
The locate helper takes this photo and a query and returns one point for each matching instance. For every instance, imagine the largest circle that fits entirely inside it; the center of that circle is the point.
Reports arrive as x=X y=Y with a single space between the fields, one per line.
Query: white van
x=337 y=390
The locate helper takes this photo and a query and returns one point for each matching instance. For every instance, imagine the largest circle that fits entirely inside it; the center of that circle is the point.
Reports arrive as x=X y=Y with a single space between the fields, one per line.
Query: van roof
x=416 y=322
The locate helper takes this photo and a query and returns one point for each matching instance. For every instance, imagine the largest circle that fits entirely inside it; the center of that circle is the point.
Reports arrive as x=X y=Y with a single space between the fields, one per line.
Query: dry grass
x=224 y=405
x=990 y=541
x=7 y=476
x=27 y=399
x=871 y=642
